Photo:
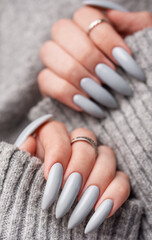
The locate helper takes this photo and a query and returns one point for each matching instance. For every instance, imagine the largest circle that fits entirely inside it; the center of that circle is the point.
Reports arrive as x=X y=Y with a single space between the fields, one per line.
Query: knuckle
x=58 y=124
x=78 y=13
x=88 y=50
x=124 y=186
x=147 y=15
x=59 y=92
x=41 y=79
x=44 y=48
x=108 y=150
x=60 y=24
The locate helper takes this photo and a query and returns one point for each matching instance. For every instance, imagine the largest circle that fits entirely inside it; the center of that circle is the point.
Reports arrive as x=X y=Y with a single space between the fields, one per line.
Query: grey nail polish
x=113 y=79
x=99 y=216
x=68 y=194
x=84 y=206
x=53 y=185
x=88 y=106
x=105 y=4
x=128 y=63
x=31 y=128
x=98 y=93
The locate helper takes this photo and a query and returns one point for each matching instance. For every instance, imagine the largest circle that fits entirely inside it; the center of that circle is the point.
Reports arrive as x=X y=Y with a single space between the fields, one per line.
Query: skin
x=82 y=52
x=53 y=144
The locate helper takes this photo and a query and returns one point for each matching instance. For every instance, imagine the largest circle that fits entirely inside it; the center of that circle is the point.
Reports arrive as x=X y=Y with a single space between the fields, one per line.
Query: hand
x=93 y=179
x=77 y=63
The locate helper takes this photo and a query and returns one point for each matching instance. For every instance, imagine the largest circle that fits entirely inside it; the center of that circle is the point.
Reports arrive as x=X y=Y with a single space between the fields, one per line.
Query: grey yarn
x=24 y=26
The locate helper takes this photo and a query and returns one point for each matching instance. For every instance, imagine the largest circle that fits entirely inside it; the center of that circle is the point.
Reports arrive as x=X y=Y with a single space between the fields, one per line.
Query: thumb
x=129 y=22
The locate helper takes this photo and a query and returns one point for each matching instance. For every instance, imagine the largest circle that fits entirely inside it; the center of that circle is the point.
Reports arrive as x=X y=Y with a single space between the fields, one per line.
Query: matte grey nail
x=88 y=106
x=128 y=63
x=84 y=206
x=113 y=79
x=53 y=185
x=68 y=194
x=31 y=128
x=105 y=4
x=99 y=216
x=98 y=93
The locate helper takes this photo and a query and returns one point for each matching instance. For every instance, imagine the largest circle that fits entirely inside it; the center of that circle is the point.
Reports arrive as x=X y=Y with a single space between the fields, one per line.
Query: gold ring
x=95 y=23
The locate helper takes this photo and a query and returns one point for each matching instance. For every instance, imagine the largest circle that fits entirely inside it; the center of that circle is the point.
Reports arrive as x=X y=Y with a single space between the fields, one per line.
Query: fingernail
x=99 y=216
x=31 y=128
x=68 y=194
x=84 y=206
x=113 y=79
x=105 y=4
x=88 y=106
x=128 y=63
x=53 y=185
x=98 y=93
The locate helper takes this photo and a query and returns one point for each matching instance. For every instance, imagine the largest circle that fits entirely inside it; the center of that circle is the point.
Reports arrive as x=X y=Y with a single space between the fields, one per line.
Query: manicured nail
x=84 y=206
x=88 y=106
x=105 y=4
x=31 y=128
x=68 y=194
x=98 y=93
x=128 y=63
x=53 y=185
x=99 y=216
x=113 y=79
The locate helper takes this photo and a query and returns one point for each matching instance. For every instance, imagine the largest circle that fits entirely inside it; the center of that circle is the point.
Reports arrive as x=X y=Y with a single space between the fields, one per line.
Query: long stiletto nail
x=105 y=4
x=31 y=128
x=128 y=63
x=68 y=194
x=53 y=185
x=99 y=216
x=98 y=93
x=88 y=106
x=113 y=79
x=84 y=206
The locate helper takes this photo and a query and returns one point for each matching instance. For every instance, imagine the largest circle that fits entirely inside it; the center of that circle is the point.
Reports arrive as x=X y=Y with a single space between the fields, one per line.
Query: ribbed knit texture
x=24 y=26
x=21 y=188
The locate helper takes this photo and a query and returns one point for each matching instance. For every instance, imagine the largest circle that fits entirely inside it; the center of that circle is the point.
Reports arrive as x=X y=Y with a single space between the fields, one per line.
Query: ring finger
x=108 y=41
x=80 y=165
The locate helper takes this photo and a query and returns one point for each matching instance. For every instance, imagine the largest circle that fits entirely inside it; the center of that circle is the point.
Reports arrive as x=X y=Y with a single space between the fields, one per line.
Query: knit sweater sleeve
x=21 y=189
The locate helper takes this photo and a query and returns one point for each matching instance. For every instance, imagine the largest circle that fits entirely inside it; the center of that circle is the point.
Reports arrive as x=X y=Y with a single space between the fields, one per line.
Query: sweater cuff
x=21 y=187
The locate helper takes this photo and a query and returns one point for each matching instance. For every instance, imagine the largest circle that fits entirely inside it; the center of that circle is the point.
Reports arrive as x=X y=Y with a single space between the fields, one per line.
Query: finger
x=112 y=199
x=130 y=22
x=68 y=35
x=102 y=174
x=109 y=41
x=55 y=141
x=85 y=16
x=78 y=170
x=58 y=88
x=29 y=145
x=104 y=170
x=64 y=65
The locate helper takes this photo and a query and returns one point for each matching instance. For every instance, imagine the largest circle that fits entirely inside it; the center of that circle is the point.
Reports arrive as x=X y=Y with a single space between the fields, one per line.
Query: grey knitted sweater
x=24 y=26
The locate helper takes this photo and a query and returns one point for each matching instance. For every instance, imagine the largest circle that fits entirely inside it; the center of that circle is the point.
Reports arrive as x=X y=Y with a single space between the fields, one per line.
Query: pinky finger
x=58 y=88
x=114 y=196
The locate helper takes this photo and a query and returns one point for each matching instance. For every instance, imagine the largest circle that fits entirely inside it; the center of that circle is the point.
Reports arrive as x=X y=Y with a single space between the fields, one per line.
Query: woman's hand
x=79 y=64
x=93 y=179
